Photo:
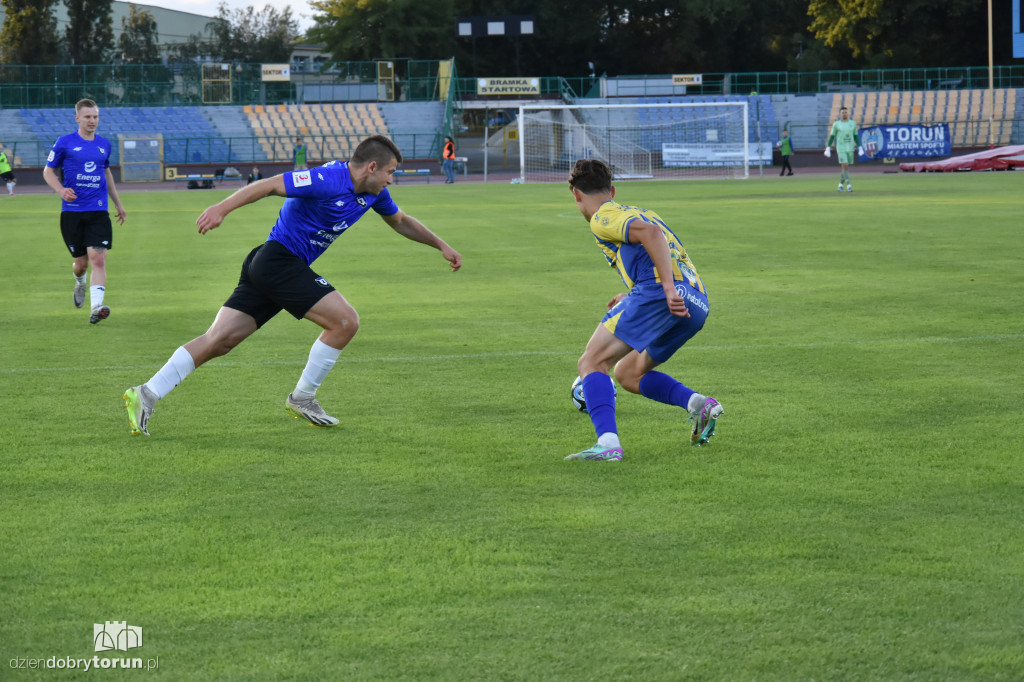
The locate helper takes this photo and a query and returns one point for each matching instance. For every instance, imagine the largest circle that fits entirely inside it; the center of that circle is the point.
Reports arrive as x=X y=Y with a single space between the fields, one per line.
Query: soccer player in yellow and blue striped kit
x=644 y=327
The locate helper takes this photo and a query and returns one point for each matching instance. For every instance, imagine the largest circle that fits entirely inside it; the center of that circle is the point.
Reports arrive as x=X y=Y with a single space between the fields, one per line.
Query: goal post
x=695 y=140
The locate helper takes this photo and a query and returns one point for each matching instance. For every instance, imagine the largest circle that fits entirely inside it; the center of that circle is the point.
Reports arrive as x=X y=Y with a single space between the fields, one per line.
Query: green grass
x=857 y=517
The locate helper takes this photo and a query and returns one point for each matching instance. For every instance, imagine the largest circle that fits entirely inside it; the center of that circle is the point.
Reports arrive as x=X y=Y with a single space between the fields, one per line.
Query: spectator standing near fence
x=448 y=164
x=785 y=146
x=254 y=175
x=7 y=174
x=84 y=158
x=299 y=154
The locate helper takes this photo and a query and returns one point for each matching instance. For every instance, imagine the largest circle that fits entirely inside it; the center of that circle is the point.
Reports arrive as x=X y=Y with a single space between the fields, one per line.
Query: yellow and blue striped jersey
x=610 y=226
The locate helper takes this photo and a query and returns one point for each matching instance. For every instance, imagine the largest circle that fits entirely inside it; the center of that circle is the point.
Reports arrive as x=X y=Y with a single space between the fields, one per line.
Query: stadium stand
x=189 y=135
x=330 y=131
x=966 y=111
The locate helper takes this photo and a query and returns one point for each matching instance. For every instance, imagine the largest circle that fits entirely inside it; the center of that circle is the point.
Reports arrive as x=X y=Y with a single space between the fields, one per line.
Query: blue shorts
x=643 y=322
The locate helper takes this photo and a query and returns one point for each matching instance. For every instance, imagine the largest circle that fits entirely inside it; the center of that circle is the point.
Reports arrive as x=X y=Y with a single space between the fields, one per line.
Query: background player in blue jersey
x=644 y=327
x=84 y=159
x=321 y=204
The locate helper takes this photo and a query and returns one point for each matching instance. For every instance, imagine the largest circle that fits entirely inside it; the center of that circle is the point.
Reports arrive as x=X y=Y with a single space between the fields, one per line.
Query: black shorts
x=82 y=229
x=7 y=176
x=274 y=279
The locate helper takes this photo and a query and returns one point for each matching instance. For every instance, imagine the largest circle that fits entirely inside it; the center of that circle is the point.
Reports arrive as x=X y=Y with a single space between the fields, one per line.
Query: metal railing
x=181 y=83
x=238 y=150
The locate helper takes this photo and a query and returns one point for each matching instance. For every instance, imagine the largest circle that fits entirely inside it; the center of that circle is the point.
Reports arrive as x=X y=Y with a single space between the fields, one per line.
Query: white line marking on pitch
x=526 y=353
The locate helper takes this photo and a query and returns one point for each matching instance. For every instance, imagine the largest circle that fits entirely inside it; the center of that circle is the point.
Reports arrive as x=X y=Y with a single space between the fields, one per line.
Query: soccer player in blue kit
x=320 y=205
x=85 y=224
x=644 y=327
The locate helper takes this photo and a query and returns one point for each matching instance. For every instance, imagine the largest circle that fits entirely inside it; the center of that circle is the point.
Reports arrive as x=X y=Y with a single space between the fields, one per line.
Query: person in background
x=299 y=154
x=7 y=174
x=785 y=146
x=84 y=158
x=845 y=135
x=254 y=175
x=448 y=164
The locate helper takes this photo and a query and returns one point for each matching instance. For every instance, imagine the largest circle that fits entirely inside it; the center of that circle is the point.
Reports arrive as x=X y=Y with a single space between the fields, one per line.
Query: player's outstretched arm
x=214 y=215
x=410 y=228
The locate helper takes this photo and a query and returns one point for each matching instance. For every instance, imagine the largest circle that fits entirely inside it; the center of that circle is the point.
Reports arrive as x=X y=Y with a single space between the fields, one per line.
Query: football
x=577 y=394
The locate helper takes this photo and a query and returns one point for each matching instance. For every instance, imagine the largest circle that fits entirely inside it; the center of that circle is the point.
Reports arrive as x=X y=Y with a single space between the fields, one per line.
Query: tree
x=354 y=30
x=29 y=33
x=246 y=35
x=139 y=38
x=904 y=33
x=89 y=37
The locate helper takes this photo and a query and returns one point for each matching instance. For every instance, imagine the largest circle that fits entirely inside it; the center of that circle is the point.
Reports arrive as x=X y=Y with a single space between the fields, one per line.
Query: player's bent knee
x=627 y=379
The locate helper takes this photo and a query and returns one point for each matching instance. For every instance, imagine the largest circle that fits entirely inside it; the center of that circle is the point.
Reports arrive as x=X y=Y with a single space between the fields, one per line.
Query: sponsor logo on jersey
x=301 y=179
x=89 y=167
x=361 y=201
x=339 y=203
x=102 y=150
x=76 y=149
x=322 y=282
x=50 y=157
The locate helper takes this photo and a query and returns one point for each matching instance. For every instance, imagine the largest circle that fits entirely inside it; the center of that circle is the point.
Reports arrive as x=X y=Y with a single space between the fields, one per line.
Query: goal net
x=638 y=141
x=142 y=157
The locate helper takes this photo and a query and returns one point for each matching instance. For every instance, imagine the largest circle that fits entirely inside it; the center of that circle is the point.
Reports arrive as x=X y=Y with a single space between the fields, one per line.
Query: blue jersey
x=610 y=226
x=85 y=164
x=321 y=205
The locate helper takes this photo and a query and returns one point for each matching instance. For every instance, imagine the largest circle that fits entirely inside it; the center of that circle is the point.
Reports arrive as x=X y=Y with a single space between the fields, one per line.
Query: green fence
x=193 y=83
x=185 y=82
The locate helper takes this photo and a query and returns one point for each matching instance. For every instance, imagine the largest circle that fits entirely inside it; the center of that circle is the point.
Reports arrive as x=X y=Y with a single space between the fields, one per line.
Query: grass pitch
x=857 y=517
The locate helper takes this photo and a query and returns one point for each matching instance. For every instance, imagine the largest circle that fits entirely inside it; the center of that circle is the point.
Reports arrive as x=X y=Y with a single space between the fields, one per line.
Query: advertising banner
x=902 y=141
x=714 y=154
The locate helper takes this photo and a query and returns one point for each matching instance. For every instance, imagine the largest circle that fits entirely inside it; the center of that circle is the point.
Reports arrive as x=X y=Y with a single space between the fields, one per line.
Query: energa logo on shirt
x=90 y=166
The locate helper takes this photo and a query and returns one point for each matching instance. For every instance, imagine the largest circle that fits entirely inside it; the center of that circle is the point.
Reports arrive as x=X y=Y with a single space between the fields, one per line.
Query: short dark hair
x=85 y=104
x=591 y=176
x=844 y=108
x=376 y=148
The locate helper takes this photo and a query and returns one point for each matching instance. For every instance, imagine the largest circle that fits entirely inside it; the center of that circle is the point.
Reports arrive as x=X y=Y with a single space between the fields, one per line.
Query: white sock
x=321 y=359
x=172 y=373
x=695 y=403
x=79 y=278
x=609 y=440
x=96 y=295
x=10 y=188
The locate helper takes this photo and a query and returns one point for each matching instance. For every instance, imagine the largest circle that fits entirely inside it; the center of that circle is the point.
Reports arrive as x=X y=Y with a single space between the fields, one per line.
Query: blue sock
x=664 y=389
x=599 y=393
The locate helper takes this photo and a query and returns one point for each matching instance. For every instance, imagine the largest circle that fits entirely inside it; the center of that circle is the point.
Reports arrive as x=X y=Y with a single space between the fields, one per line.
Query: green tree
x=139 y=38
x=247 y=35
x=29 y=33
x=355 y=30
x=89 y=37
x=904 y=33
